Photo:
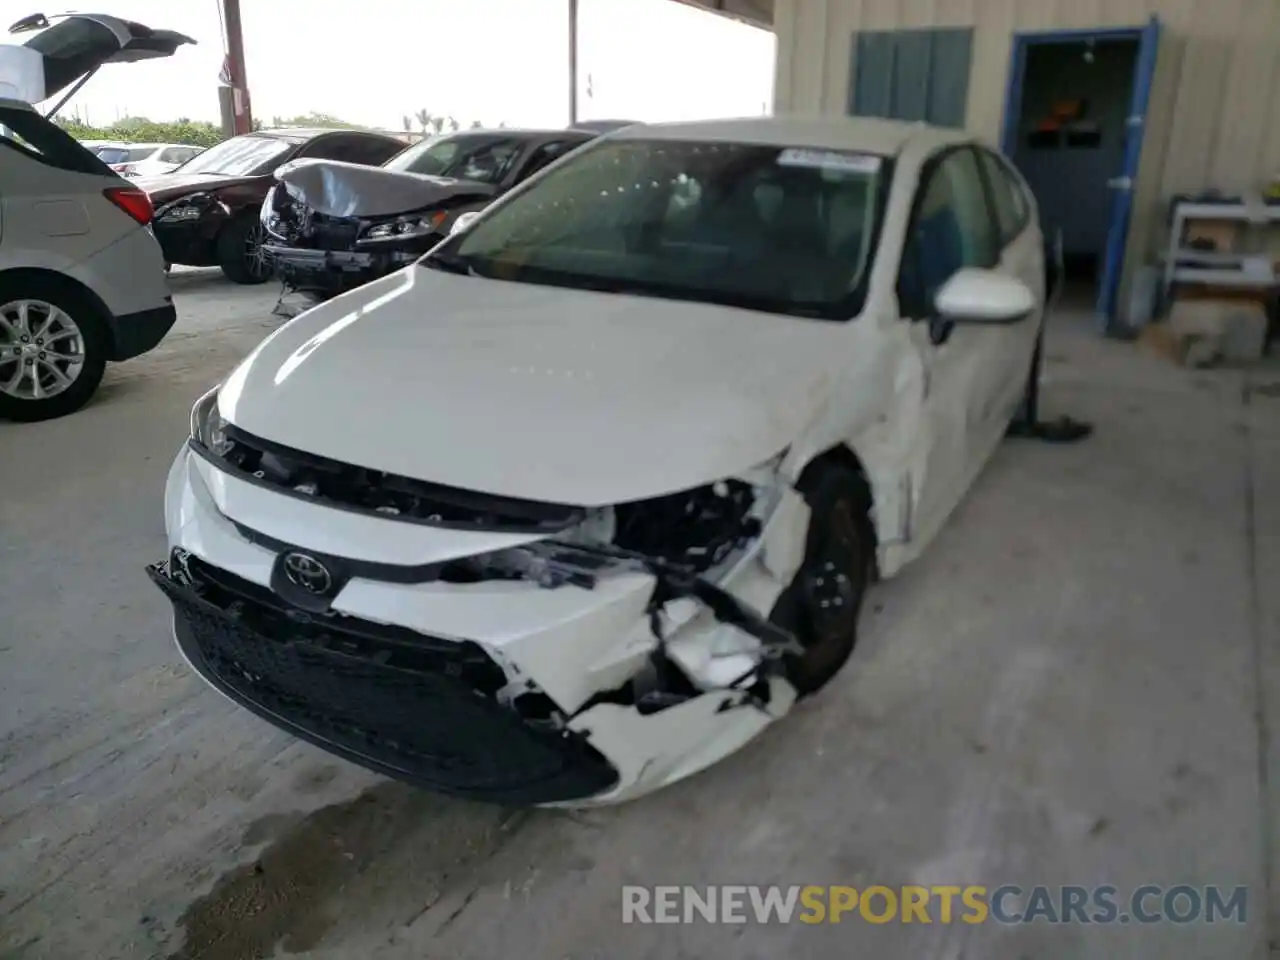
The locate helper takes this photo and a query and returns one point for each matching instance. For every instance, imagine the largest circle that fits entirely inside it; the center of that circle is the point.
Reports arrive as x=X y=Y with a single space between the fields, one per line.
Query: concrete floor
x=1074 y=687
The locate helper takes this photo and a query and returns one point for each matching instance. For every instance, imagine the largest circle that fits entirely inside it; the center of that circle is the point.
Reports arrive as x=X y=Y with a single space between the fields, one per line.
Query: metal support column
x=573 y=62
x=241 y=112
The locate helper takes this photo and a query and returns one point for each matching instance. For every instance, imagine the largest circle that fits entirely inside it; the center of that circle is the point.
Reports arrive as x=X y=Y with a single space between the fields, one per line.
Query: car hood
x=536 y=392
x=339 y=189
x=172 y=186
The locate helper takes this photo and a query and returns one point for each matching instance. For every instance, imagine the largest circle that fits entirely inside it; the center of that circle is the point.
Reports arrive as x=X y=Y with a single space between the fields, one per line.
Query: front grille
x=332 y=233
x=349 y=487
x=413 y=707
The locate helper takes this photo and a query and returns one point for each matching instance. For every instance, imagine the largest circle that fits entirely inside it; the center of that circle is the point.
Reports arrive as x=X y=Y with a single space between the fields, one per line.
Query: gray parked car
x=333 y=226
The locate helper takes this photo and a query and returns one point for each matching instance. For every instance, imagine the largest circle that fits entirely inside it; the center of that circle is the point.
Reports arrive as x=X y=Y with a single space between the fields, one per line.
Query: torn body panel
x=621 y=646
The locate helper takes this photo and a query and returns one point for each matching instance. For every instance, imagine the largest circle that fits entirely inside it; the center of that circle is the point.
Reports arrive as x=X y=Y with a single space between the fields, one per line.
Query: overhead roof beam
x=758 y=13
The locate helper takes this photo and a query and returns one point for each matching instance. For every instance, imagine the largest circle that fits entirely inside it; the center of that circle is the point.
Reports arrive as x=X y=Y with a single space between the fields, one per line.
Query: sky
x=374 y=61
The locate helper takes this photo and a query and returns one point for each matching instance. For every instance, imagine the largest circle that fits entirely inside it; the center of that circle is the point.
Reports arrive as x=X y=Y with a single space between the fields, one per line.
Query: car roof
x=299 y=134
x=864 y=134
x=530 y=133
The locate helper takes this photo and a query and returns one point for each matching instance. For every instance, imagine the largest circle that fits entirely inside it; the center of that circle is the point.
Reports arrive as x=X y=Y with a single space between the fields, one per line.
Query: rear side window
x=1012 y=209
x=140 y=153
x=951 y=227
x=32 y=135
x=546 y=154
x=352 y=148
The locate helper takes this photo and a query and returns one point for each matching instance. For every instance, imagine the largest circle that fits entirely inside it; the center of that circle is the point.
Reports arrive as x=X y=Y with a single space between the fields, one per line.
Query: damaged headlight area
x=404 y=228
x=208 y=429
x=188 y=208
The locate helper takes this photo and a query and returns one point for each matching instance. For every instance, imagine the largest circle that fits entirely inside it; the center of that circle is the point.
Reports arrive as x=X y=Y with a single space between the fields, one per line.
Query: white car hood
x=535 y=392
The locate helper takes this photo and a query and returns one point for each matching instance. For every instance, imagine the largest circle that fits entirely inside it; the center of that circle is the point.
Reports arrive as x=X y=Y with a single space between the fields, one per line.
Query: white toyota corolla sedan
x=588 y=497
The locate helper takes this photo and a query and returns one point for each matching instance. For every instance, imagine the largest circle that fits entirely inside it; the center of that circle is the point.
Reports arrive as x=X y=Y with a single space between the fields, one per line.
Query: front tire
x=54 y=343
x=822 y=605
x=240 y=253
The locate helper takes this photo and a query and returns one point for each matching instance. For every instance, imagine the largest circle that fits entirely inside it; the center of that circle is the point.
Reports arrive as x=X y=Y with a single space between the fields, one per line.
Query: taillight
x=132 y=201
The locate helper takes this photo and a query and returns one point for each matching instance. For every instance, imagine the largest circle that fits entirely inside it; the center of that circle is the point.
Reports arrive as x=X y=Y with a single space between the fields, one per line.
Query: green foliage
x=314 y=119
x=141 y=130
x=203 y=134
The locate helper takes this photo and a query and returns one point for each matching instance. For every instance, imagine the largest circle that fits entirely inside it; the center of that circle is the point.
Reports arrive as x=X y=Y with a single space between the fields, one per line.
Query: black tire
x=838 y=567
x=94 y=334
x=236 y=243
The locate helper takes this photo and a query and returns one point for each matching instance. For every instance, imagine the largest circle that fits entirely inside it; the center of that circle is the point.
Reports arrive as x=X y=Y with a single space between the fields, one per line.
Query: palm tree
x=423 y=117
x=408 y=122
x=438 y=123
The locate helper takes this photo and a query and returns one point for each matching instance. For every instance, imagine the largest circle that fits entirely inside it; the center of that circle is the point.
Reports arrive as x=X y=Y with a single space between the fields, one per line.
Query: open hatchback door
x=69 y=49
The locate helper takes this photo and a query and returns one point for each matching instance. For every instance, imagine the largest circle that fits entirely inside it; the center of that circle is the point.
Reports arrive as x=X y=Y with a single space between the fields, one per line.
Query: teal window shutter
x=911 y=75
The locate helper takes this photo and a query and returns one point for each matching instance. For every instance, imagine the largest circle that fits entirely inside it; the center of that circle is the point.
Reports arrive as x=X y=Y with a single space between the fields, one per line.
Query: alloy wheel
x=255 y=258
x=42 y=350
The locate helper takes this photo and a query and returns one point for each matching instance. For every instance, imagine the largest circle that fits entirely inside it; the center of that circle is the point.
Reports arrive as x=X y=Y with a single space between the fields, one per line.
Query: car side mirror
x=464 y=222
x=973 y=295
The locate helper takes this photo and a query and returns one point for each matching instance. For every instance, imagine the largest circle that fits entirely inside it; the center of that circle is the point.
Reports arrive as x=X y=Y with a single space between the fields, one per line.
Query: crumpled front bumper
x=338 y=270
x=379 y=680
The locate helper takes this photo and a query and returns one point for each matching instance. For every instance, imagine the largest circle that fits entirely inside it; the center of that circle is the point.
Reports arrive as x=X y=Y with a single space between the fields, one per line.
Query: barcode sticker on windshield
x=829 y=160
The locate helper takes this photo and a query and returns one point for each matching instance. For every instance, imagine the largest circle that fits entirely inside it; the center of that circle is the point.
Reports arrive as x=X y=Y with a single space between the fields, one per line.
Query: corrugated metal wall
x=1214 y=119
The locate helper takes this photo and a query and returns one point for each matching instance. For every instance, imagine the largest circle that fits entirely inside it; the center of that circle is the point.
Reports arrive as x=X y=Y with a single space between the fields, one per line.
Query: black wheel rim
x=255 y=258
x=835 y=579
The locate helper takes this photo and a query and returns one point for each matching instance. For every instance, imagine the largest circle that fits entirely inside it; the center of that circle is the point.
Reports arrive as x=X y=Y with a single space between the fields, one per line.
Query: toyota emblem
x=307 y=573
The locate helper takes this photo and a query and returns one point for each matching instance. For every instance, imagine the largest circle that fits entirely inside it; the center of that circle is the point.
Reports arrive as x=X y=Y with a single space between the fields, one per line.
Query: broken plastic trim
x=675 y=582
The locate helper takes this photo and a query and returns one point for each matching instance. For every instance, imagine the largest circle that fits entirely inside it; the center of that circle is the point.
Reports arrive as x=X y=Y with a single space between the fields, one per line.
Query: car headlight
x=404 y=228
x=188 y=208
x=207 y=426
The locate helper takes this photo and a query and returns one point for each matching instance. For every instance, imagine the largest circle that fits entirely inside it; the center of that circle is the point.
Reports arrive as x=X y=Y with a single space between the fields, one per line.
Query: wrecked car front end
x=333 y=226
x=505 y=650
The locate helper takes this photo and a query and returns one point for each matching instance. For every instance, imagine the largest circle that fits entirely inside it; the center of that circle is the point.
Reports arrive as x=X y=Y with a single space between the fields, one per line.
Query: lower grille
x=332 y=234
x=416 y=708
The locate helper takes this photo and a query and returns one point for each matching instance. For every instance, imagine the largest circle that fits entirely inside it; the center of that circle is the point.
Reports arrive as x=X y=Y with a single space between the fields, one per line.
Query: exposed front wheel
x=240 y=253
x=53 y=350
x=823 y=603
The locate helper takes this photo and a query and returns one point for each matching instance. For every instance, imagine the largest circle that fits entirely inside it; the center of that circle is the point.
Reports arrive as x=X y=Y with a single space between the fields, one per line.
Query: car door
x=951 y=227
x=1022 y=252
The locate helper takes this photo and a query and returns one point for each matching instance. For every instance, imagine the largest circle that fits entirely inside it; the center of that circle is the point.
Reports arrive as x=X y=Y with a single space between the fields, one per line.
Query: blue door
x=1122 y=185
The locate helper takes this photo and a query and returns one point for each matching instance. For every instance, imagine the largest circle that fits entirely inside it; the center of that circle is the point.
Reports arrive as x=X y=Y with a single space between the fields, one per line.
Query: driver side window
x=951 y=227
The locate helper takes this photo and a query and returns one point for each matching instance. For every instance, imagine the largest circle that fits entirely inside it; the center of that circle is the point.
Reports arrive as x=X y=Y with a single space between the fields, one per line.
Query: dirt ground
x=1076 y=686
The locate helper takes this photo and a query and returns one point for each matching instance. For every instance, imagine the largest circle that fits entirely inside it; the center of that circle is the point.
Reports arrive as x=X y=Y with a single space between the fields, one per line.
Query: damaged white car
x=588 y=497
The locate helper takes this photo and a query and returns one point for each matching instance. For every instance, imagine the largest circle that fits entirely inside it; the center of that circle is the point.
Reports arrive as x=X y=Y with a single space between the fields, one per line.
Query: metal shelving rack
x=1221 y=269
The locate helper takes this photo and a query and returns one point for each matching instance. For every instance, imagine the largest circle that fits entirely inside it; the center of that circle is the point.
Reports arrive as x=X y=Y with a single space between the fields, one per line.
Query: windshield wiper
x=448 y=262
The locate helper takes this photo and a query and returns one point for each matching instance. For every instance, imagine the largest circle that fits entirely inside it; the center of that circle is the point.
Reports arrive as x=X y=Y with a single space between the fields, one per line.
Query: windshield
x=763 y=227
x=240 y=156
x=485 y=158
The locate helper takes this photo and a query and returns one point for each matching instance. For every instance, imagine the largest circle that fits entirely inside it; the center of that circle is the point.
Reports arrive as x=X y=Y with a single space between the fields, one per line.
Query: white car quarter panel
x=97 y=243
